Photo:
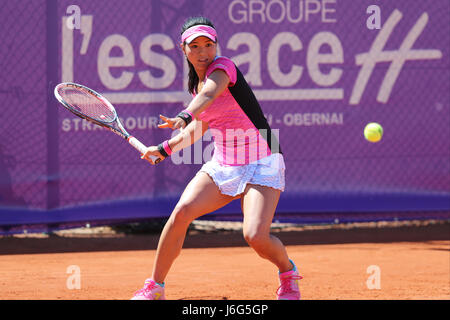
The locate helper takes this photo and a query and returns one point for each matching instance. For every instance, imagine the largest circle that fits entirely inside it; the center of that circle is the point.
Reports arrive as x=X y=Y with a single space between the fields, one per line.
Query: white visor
x=196 y=35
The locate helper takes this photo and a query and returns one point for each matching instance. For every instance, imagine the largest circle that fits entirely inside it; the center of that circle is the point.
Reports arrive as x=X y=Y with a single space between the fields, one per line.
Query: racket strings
x=87 y=104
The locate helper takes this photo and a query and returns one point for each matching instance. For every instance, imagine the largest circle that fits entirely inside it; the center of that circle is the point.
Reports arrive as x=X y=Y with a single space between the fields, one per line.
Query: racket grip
x=141 y=148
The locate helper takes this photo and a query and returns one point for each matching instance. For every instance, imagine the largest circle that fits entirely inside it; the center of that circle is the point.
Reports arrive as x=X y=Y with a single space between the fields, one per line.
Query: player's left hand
x=173 y=123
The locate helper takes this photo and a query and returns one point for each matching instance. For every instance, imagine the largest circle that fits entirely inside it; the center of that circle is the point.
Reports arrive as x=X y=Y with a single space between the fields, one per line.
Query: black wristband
x=185 y=116
x=162 y=151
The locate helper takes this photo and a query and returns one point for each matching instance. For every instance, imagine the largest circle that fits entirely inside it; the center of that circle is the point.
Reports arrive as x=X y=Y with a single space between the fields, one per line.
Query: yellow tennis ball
x=373 y=132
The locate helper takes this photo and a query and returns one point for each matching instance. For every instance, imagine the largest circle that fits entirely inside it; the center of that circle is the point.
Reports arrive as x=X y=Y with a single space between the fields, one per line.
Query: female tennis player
x=247 y=163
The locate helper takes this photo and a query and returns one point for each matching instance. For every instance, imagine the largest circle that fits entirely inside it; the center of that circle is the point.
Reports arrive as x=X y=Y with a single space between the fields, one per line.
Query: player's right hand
x=152 y=151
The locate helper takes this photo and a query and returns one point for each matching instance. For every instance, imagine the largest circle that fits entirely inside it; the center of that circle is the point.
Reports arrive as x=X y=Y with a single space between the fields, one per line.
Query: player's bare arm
x=192 y=133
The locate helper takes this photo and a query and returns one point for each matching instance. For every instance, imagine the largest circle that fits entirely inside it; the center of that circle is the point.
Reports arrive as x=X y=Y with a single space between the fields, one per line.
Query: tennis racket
x=92 y=106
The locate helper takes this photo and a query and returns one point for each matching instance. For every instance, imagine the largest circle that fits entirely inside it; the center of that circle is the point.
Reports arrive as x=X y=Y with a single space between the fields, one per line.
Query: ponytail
x=193 y=79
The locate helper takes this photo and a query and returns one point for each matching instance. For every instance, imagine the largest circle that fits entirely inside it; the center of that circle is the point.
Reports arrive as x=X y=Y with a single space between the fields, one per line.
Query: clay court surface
x=413 y=260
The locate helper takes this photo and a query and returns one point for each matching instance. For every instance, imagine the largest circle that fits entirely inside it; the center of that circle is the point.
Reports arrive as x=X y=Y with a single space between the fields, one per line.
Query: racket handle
x=141 y=148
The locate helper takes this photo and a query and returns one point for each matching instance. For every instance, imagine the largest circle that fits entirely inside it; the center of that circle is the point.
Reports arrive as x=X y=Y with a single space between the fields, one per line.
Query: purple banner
x=321 y=70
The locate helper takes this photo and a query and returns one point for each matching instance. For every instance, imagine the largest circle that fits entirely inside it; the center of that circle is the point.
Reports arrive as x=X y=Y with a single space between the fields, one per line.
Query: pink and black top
x=236 y=121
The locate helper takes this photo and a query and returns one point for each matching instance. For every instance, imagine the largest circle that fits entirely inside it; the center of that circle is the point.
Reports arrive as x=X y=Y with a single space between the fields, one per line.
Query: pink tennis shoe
x=288 y=289
x=150 y=291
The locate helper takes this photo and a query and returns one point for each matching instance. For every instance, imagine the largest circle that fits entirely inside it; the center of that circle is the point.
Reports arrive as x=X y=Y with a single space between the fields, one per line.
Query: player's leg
x=258 y=205
x=200 y=197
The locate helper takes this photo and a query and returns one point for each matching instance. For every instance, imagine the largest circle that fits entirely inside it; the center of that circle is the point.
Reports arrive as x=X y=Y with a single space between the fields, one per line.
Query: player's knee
x=182 y=215
x=255 y=239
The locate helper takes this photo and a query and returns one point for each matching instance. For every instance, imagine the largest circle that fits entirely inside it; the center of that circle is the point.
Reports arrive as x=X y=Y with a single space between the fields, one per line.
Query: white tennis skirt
x=232 y=180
